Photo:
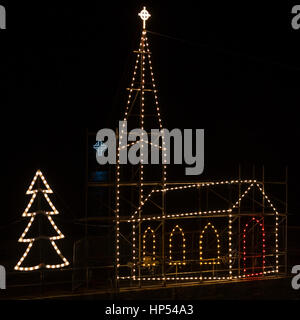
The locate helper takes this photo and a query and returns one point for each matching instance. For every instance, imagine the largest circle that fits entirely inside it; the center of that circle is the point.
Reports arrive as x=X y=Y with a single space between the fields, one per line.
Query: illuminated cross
x=100 y=147
x=145 y=15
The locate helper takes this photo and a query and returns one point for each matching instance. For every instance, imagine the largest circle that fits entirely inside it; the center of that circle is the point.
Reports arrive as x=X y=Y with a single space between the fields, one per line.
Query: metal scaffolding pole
x=263 y=188
x=286 y=220
x=86 y=211
x=239 y=224
x=163 y=234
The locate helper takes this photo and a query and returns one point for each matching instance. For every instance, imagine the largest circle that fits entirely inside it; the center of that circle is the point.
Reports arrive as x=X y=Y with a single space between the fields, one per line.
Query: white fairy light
x=180 y=262
x=144 y=60
x=213 y=260
x=143 y=53
x=31 y=241
x=145 y=15
x=145 y=261
x=227 y=212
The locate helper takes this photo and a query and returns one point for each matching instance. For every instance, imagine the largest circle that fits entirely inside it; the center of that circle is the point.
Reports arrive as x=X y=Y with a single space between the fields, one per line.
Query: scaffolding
x=170 y=232
x=165 y=232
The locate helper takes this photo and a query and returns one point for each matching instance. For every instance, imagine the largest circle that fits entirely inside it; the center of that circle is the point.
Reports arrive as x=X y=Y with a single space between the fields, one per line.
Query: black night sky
x=232 y=70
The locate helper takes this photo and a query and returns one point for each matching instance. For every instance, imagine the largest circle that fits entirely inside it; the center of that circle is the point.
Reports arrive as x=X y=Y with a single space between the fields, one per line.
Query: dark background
x=230 y=68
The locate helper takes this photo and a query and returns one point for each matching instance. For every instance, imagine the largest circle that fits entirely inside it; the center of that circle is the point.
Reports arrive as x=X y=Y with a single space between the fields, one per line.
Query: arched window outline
x=210 y=260
x=263 y=247
x=183 y=261
x=153 y=247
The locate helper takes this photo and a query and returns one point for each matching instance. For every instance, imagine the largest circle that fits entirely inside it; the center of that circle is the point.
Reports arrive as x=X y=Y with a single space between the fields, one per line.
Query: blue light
x=98 y=176
x=100 y=147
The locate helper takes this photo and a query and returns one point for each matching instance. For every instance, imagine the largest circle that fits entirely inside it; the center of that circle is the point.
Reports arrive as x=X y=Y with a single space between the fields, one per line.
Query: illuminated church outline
x=229 y=214
x=149 y=256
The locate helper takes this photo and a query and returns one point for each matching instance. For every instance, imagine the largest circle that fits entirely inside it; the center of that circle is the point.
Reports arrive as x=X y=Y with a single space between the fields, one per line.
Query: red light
x=263 y=246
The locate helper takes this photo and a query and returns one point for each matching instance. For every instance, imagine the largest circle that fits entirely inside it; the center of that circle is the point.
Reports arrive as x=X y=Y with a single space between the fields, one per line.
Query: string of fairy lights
x=146 y=261
x=209 y=260
x=183 y=260
x=184 y=278
x=48 y=214
x=194 y=185
x=122 y=133
x=178 y=215
x=263 y=255
x=276 y=225
x=144 y=56
x=143 y=52
x=149 y=242
x=142 y=115
x=227 y=212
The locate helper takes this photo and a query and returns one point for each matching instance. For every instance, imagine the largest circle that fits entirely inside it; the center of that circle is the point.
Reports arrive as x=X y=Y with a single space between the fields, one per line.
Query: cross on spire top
x=144 y=15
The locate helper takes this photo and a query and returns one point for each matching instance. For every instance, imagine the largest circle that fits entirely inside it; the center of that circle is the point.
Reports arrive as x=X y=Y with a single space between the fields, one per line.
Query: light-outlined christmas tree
x=38 y=196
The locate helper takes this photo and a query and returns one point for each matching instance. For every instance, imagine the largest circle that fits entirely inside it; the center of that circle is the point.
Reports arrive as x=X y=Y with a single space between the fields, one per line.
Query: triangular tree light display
x=39 y=190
